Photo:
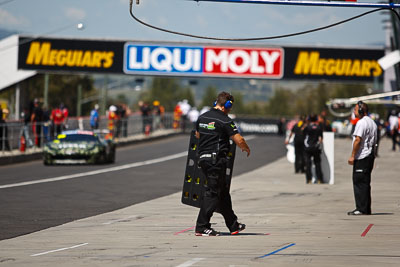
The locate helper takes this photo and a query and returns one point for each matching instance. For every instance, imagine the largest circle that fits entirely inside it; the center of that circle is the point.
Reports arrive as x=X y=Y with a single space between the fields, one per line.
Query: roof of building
x=9 y=73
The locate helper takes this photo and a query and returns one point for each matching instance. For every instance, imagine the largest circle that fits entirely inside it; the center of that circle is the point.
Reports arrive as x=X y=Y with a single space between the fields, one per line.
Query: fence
x=37 y=134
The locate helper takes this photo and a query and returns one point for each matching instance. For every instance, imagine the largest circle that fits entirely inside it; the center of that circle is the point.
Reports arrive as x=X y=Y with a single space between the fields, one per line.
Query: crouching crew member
x=214 y=128
x=362 y=158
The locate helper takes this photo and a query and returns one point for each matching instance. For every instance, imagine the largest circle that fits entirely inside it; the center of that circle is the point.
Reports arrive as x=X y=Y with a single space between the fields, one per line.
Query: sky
x=110 y=19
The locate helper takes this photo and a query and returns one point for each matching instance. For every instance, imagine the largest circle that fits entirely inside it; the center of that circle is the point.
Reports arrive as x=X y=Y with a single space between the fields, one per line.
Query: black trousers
x=216 y=195
x=4 y=137
x=299 y=162
x=362 y=183
x=394 y=140
x=314 y=155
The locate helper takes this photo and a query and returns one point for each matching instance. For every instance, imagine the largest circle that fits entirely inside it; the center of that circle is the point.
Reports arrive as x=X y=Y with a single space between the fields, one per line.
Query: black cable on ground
x=257 y=38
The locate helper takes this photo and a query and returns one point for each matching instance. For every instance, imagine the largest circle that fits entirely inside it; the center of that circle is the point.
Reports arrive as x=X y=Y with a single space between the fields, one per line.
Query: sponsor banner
x=203 y=61
x=257 y=126
x=289 y=63
x=333 y=64
x=162 y=59
x=70 y=55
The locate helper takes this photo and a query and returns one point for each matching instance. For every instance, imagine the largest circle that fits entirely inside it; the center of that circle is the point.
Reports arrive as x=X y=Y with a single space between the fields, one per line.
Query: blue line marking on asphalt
x=276 y=251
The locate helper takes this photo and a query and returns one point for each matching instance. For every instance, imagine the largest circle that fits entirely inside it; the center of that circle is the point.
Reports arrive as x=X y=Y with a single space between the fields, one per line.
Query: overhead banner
x=70 y=55
x=204 y=61
x=118 y=57
x=333 y=64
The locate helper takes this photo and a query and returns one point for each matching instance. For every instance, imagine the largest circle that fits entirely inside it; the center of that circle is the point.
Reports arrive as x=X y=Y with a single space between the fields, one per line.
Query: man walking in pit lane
x=313 y=147
x=362 y=158
x=297 y=131
x=214 y=128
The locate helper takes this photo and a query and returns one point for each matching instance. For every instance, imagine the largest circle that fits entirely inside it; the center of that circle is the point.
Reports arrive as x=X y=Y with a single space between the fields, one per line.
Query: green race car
x=79 y=147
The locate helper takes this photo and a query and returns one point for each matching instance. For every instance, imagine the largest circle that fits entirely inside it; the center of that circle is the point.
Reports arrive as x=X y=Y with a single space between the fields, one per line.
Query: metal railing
x=36 y=135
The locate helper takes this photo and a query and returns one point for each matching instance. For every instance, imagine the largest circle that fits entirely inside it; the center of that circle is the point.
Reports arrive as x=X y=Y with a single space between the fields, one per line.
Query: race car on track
x=79 y=147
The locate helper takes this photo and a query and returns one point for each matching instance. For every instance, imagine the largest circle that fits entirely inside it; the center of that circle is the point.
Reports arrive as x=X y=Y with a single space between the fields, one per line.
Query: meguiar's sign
x=70 y=55
x=333 y=64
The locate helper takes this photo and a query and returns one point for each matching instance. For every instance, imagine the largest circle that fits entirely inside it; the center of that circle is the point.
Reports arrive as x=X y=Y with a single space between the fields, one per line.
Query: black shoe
x=241 y=227
x=356 y=212
x=207 y=232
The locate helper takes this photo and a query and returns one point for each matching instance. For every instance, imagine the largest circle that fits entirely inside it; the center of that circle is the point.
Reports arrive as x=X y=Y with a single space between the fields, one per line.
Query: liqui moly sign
x=204 y=61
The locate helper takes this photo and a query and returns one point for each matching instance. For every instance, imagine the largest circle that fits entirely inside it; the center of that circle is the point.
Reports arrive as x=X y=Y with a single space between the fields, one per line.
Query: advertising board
x=203 y=61
x=70 y=55
x=200 y=60
x=333 y=64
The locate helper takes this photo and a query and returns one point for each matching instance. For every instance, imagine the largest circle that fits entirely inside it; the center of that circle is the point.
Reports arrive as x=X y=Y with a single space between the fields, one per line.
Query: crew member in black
x=297 y=130
x=214 y=128
x=312 y=147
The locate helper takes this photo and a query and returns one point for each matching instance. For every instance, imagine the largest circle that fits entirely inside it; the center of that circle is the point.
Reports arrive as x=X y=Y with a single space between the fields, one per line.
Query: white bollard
x=328 y=157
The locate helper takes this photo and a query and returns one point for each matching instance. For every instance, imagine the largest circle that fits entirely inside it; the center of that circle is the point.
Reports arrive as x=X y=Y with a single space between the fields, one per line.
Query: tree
x=349 y=90
x=238 y=105
x=168 y=91
x=187 y=93
x=62 y=89
x=209 y=97
x=279 y=104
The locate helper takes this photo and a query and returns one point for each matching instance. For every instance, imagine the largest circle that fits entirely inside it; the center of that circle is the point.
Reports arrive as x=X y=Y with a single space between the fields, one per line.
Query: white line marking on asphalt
x=190 y=263
x=112 y=169
x=60 y=249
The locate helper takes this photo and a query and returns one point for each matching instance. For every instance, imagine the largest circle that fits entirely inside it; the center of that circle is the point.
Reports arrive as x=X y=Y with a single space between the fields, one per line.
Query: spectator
x=185 y=108
x=125 y=113
x=94 y=117
x=112 y=119
x=147 y=121
x=36 y=120
x=25 y=130
x=158 y=114
x=193 y=115
x=4 y=142
x=324 y=123
x=281 y=126
x=121 y=118
x=64 y=110
x=393 y=127
x=177 y=115
x=57 y=118
x=46 y=124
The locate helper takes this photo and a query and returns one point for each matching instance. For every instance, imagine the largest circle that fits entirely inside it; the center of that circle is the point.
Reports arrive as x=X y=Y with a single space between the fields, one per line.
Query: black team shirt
x=215 y=128
x=312 y=133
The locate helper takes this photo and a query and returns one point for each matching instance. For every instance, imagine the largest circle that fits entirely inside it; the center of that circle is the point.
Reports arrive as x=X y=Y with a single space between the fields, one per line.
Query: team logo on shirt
x=209 y=126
